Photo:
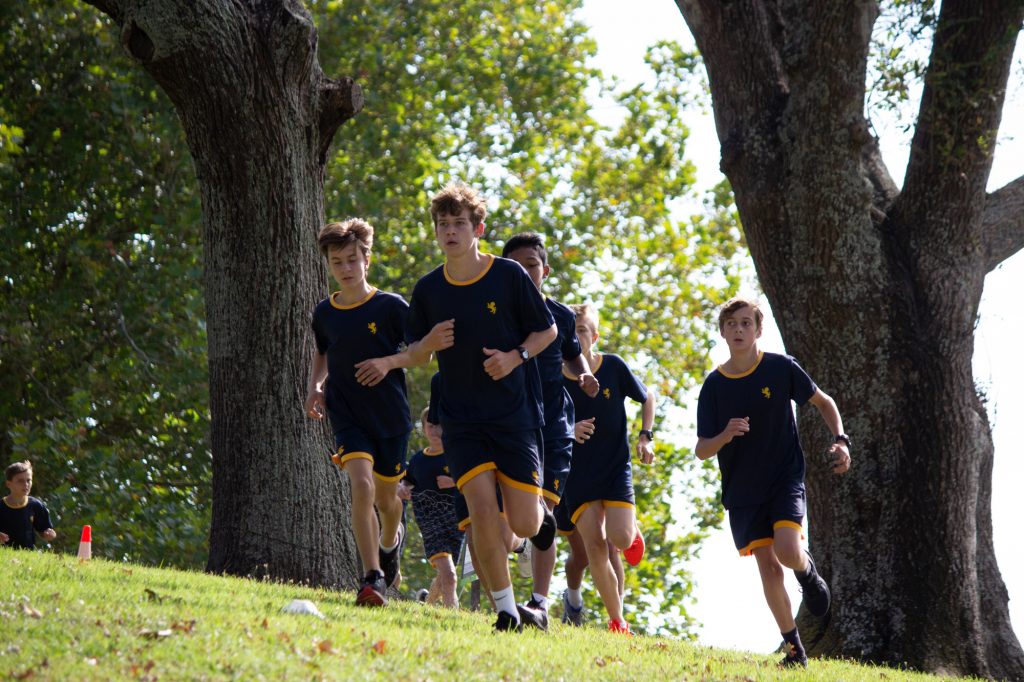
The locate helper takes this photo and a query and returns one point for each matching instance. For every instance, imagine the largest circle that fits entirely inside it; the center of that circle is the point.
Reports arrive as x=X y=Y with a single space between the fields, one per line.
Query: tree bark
x=259 y=115
x=876 y=291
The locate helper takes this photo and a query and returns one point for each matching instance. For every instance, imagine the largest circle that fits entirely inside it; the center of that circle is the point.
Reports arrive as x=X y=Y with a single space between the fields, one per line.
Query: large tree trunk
x=876 y=292
x=259 y=116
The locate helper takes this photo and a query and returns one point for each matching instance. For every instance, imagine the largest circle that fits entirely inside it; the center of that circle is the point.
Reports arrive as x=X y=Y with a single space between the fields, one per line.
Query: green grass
x=65 y=620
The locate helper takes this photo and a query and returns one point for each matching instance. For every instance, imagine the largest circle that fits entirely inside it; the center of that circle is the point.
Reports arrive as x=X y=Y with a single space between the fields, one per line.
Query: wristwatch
x=843 y=438
x=523 y=353
x=648 y=433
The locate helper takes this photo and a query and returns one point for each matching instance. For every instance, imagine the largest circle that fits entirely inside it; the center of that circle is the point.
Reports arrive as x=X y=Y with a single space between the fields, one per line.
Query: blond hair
x=587 y=311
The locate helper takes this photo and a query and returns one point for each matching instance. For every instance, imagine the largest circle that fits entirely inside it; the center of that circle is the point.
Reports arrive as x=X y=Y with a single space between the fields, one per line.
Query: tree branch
x=340 y=100
x=883 y=189
x=112 y=8
x=1003 y=223
x=960 y=111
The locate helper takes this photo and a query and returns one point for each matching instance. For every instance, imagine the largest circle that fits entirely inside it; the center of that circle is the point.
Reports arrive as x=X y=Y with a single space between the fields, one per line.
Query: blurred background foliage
x=103 y=380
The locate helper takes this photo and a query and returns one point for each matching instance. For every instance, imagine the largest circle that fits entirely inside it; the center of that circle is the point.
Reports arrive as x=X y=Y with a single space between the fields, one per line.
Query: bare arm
x=499 y=364
x=839 y=451
x=709 y=447
x=372 y=371
x=579 y=367
x=314 y=405
x=645 y=445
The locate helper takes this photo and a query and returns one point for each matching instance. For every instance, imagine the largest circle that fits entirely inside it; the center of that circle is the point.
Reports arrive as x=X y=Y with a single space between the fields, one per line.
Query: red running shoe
x=620 y=627
x=634 y=554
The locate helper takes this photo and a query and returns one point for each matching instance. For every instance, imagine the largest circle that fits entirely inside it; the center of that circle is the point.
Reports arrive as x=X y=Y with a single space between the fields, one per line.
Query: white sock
x=574 y=597
x=541 y=600
x=505 y=600
x=398 y=538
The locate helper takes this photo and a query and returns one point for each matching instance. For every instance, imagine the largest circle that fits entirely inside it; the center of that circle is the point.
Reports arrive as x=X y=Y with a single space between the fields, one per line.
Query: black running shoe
x=533 y=617
x=794 y=658
x=507 y=623
x=546 y=535
x=371 y=592
x=389 y=561
x=817 y=597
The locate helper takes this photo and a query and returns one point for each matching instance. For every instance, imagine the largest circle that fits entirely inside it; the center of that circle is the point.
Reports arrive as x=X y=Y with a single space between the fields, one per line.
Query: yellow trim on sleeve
x=749 y=549
x=565 y=533
x=555 y=497
x=464 y=523
x=760 y=356
x=474 y=472
x=519 y=485
x=339 y=306
x=618 y=503
x=438 y=556
x=341 y=459
x=466 y=283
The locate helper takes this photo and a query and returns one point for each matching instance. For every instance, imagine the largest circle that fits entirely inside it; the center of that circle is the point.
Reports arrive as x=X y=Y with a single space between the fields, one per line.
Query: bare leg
x=364 y=517
x=577 y=562
x=772 y=581
x=446 y=580
x=390 y=509
x=591 y=525
x=491 y=557
x=543 y=562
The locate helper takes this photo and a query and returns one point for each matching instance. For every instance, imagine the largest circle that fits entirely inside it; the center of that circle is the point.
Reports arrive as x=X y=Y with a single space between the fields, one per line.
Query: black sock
x=793 y=639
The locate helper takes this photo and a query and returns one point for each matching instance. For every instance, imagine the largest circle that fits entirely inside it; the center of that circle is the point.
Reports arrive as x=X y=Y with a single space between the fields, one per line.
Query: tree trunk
x=876 y=292
x=259 y=116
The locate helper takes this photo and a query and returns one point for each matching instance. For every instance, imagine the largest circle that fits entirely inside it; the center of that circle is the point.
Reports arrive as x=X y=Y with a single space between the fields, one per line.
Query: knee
x=362 y=485
x=621 y=537
x=771 y=572
x=526 y=522
x=790 y=557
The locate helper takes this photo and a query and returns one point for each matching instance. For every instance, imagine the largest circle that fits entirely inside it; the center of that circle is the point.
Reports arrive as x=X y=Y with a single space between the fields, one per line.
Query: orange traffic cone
x=85 y=546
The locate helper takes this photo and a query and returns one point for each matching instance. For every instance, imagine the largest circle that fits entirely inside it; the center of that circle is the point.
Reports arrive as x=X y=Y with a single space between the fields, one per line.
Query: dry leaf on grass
x=379 y=646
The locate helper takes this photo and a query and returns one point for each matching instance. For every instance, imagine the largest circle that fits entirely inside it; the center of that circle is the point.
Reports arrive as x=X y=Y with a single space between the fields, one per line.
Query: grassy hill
x=65 y=620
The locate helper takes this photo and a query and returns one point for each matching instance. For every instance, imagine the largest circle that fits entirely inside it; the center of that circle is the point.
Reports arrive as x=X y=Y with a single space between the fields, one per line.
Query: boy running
x=527 y=249
x=429 y=486
x=490 y=395
x=598 y=496
x=21 y=515
x=367 y=406
x=745 y=416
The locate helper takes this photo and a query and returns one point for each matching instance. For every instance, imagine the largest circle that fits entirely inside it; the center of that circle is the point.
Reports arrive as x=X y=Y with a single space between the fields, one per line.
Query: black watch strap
x=648 y=433
x=843 y=438
x=523 y=353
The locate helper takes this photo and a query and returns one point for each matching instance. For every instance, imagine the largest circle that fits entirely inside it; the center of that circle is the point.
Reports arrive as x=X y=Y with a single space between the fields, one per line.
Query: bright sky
x=730 y=604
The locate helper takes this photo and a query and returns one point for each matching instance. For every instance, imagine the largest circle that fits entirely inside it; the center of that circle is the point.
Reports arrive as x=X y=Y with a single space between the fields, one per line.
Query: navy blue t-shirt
x=768 y=457
x=22 y=523
x=607 y=449
x=497 y=309
x=433 y=410
x=558 y=410
x=423 y=470
x=372 y=328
